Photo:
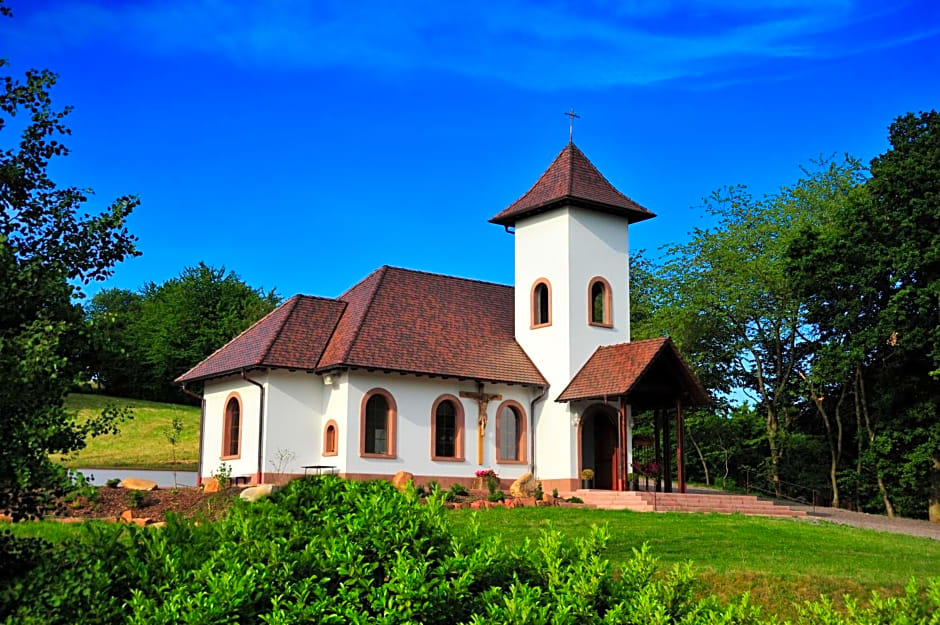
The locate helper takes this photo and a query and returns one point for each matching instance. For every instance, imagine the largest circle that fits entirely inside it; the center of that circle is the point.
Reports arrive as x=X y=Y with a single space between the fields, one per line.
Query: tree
x=49 y=250
x=147 y=339
x=730 y=303
x=870 y=275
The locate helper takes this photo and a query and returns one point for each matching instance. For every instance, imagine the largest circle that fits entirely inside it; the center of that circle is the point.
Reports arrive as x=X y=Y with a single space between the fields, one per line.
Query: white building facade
x=442 y=377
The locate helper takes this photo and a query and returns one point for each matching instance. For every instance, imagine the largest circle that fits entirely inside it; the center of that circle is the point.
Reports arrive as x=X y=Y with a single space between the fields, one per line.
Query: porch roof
x=624 y=370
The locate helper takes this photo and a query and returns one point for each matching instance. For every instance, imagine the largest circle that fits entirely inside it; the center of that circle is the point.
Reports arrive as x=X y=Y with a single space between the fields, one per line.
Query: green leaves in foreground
x=324 y=550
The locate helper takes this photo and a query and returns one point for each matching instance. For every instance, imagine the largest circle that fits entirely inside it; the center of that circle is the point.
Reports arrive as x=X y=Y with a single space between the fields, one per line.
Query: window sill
x=363 y=454
x=236 y=457
x=329 y=453
x=500 y=461
x=447 y=459
x=540 y=325
x=609 y=326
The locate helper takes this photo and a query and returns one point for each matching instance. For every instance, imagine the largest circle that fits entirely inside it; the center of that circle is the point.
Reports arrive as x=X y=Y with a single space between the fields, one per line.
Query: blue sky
x=304 y=144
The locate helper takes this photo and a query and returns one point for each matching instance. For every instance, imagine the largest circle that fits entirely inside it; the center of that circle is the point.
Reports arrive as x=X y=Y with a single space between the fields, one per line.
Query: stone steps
x=641 y=501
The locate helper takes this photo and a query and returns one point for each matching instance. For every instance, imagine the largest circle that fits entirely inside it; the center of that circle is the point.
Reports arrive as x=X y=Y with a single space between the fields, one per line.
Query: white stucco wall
x=414 y=398
x=294 y=423
x=568 y=246
x=216 y=392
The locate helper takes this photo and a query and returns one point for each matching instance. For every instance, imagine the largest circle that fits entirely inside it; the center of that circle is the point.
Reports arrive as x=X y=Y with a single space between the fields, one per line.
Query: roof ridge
x=277 y=335
x=320 y=297
x=365 y=312
x=366 y=277
x=236 y=337
x=571 y=166
x=329 y=339
x=604 y=178
x=447 y=275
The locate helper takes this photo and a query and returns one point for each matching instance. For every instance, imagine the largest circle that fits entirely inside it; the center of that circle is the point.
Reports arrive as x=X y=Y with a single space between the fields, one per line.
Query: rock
x=136 y=483
x=210 y=485
x=142 y=521
x=524 y=487
x=548 y=499
x=402 y=479
x=158 y=524
x=253 y=493
x=127 y=516
x=528 y=502
x=476 y=505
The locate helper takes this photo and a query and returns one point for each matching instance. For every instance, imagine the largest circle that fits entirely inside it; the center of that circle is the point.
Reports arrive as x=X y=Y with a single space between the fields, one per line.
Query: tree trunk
x=889 y=507
x=934 y=504
x=772 y=428
x=700 y=457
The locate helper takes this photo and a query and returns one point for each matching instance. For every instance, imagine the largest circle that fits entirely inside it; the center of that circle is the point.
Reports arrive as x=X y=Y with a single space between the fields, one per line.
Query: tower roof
x=572 y=179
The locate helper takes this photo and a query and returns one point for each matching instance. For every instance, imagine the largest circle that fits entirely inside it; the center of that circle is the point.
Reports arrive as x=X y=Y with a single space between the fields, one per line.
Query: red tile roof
x=572 y=179
x=393 y=320
x=292 y=335
x=615 y=370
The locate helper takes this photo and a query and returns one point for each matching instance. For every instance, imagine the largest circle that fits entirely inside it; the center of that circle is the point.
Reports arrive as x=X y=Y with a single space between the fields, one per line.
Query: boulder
x=548 y=498
x=210 y=485
x=136 y=483
x=524 y=487
x=256 y=492
x=158 y=524
x=402 y=479
x=528 y=502
x=476 y=505
x=140 y=522
x=127 y=516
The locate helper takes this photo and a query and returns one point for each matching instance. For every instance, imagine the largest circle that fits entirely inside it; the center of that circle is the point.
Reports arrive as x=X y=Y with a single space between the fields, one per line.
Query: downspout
x=202 y=430
x=532 y=403
x=260 y=425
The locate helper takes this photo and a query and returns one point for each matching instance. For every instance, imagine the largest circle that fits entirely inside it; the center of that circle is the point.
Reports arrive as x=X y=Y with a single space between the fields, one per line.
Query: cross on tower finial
x=571 y=115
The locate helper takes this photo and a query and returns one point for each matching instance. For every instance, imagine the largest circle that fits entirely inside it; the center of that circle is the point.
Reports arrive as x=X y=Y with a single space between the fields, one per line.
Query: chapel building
x=443 y=376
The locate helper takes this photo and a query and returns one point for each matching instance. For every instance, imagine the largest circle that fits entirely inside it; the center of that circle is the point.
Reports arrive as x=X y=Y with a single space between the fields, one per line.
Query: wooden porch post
x=680 y=443
x=667 y=445
x=657 y=456
x=622 y=445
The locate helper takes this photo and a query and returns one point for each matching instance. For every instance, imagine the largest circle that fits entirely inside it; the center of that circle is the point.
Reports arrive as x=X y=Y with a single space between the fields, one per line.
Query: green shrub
x=113 y=482
x=496 y=496
x=575 y=499
x=137 y=498
x=458 y=490
x=325 y=550
x=538 y=491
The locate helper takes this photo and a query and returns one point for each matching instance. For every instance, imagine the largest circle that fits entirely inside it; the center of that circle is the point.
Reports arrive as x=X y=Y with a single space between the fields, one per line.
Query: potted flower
x=486 y=478
x=587 y=478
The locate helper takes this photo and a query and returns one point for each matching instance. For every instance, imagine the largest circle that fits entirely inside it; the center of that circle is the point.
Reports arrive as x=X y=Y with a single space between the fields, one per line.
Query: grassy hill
x=140 y=443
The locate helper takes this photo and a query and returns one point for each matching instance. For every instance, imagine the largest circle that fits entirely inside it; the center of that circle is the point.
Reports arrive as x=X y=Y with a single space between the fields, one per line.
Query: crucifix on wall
x=483 y=400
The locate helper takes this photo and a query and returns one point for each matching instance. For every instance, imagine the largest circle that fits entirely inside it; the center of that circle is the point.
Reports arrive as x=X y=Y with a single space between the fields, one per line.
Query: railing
x=811 y=496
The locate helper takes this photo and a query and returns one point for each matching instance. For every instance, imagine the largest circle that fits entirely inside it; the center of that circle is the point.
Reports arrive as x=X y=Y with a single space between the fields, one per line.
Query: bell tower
x=571 y=265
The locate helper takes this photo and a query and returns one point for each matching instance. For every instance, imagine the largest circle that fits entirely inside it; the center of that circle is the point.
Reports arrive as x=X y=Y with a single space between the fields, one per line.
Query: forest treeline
x=142 y=340
x=820 y=304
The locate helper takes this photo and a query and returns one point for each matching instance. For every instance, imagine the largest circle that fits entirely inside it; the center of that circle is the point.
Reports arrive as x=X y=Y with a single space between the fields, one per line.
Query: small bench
x=319 y=468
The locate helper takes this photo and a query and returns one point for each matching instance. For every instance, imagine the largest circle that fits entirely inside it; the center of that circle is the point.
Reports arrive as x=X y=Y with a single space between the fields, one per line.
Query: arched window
x=447 y=429
x=541 y=303
x=599 y=303
x=232 y=428
x=377 y=425
x=510 y=433
x=330 y=438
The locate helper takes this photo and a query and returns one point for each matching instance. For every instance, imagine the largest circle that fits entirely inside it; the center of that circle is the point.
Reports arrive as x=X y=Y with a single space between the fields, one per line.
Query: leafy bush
x=575 y=499
x=324 y=550
x=113 y=482
x=496 y=496
x=137 y=498
x=458 y=490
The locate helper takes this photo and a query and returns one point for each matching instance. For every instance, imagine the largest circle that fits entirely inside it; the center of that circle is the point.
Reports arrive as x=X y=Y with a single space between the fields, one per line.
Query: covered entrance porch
x=619 y=383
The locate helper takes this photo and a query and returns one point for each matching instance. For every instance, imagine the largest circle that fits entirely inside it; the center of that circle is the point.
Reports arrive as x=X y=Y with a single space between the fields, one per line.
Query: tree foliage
x=146 y=339
x=49 y=250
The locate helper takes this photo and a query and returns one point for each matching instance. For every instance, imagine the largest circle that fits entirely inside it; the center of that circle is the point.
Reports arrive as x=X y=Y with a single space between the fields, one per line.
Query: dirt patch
x=185 y=502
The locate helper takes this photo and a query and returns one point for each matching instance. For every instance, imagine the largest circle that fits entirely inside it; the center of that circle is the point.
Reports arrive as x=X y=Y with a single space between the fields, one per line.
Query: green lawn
x=140 y=444
x=779 y=561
